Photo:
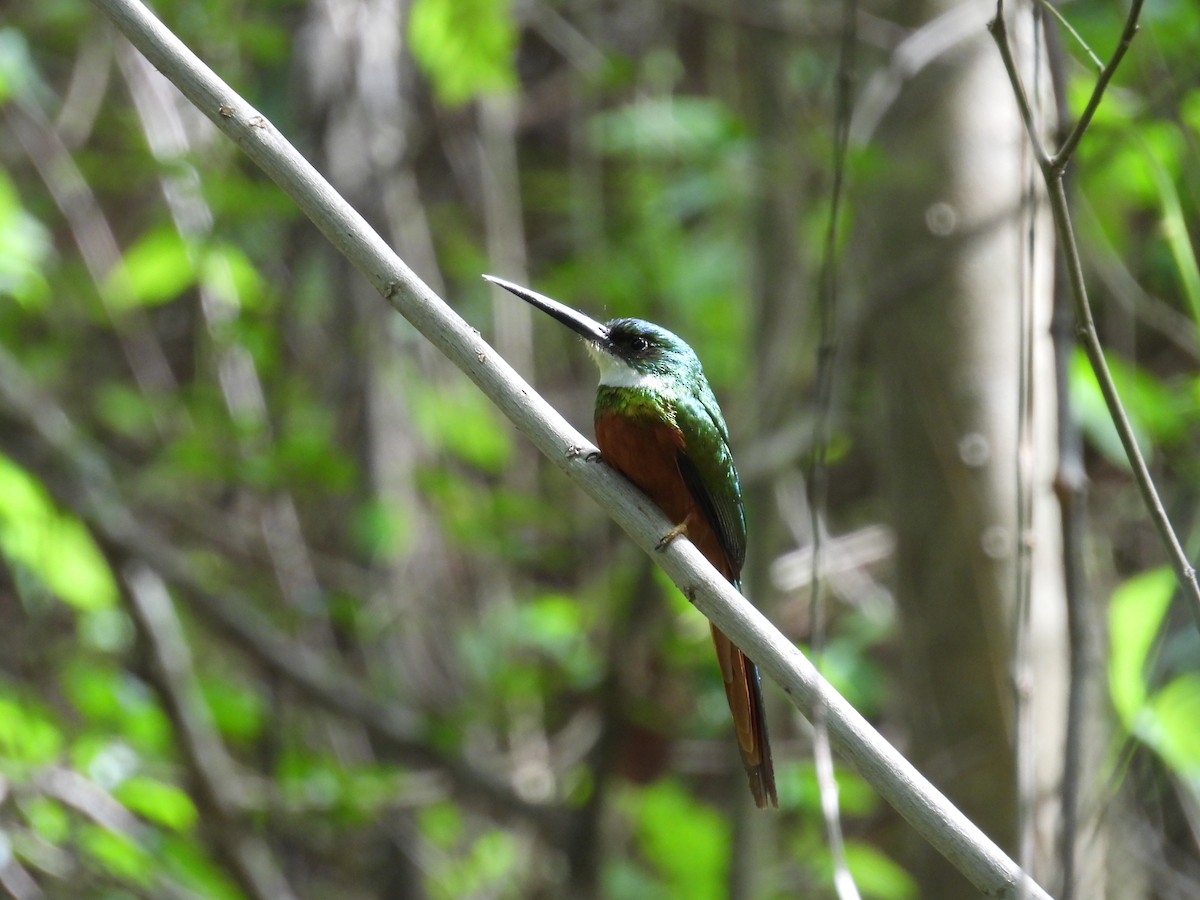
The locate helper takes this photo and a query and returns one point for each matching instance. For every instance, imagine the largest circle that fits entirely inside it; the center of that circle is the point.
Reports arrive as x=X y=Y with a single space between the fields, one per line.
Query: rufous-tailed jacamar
x=658 y=424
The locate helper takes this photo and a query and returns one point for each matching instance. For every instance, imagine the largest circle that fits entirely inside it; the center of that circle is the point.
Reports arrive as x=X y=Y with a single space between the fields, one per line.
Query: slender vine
x=1053 y=166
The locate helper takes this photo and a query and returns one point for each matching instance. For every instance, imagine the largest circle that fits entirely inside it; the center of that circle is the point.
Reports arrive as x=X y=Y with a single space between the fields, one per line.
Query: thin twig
x=897 y=781
x=1053 y=168
x=827 y=309
x=1025 y=737
x=1062 y=20
x=999 y=31
x=1070 y=487
x=1067 y=150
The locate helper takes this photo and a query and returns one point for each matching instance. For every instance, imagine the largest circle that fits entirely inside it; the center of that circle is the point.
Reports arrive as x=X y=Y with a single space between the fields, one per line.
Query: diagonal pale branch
x=896 y=780
x=1053 y=167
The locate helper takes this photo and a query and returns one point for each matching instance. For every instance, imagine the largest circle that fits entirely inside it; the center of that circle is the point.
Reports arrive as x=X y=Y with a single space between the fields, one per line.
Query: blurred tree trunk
x=954 y=254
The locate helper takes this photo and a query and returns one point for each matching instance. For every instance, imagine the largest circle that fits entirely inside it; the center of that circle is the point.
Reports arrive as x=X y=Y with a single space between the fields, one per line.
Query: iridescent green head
x=630 y=353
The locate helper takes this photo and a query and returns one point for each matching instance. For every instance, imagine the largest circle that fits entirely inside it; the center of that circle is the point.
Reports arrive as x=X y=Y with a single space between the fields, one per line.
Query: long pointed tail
x=743 y=688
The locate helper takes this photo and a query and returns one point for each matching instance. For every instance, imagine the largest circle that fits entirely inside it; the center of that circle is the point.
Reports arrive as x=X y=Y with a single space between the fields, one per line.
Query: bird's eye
x=640 y=344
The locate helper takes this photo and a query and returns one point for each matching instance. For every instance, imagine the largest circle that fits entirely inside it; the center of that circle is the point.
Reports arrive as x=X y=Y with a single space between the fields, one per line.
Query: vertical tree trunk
x=955 y=252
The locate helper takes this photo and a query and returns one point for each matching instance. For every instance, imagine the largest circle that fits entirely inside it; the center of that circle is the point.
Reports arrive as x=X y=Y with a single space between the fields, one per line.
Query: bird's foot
x=574 y=452
x=665 y=541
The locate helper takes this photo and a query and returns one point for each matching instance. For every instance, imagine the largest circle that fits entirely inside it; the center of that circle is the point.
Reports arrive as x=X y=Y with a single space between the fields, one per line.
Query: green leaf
x=1094 y=418
x=551 y=622
x=1134 y=614
x=1175 y=228
x=231 y=276
x=185 y=860
x=459 y=420
x=798 y=788
x=25 y=245
x=1159 y=413
x=48 y=819
x=1176 y=711
x=125 y=409
x=877 y=875
x=118 y=854
x=553 y=625
x=110 y=698
x=158 y=802
x=687 y=843
x=441 y=824
x=27 y=735
x=465 y=46
x=237 y=710
x=52 y=546
x=156 y=269
x=381 y=529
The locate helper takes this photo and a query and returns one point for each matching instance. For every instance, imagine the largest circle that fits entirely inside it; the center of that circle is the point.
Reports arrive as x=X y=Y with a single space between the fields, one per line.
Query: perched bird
x=658 y=424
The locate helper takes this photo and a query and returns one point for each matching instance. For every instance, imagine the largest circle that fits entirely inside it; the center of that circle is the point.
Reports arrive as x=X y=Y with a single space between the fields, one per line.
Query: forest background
x=339 y=630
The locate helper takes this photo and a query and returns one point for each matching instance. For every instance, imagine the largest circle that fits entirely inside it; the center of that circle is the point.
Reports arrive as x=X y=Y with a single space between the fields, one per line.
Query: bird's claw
x=575 y=451
x=665 y=541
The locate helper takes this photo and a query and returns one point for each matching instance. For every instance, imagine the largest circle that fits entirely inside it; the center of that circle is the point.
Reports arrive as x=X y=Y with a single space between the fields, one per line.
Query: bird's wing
x=707 y=469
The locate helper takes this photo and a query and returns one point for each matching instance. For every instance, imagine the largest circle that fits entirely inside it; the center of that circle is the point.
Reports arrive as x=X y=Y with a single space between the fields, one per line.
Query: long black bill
x=586 y=327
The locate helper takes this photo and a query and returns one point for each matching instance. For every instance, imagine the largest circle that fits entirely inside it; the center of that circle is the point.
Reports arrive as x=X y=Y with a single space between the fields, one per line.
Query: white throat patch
x=616 y=372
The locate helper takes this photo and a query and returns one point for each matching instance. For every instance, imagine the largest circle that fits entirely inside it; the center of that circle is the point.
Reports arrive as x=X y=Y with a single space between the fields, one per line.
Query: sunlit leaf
x=486 y=866
x=459 y=420
x=551 y=621
x=876 y=875
x=465 y=46
x=186 y=861
x=110 y=697
x=121 y=856
x=158 y=802
x=1176 y=709
x=1134 y=614
x=798 y=788
x=27 y=735
x=1175 y=230
x=441 y=824
x=1159 y=413
x=48 y=819
x=228 y=272
x=553 y=624
x=51 y=545
x=155 y=269
x=687 y=842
